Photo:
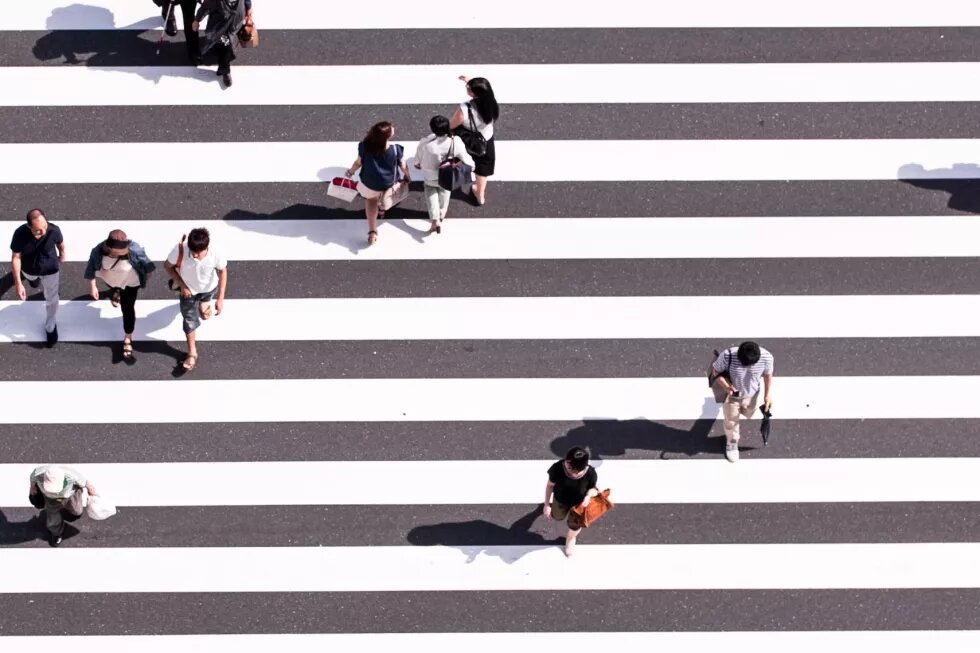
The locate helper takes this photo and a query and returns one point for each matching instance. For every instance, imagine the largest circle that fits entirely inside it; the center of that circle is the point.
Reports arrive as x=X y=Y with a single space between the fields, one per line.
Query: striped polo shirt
x=747 y=379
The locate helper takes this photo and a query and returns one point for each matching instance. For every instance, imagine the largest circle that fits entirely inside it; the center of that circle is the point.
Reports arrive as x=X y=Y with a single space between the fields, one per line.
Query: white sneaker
x=731 y=452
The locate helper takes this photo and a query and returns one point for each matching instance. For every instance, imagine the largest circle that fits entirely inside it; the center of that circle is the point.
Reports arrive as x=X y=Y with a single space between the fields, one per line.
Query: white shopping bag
x=99 y=509
x=343 y=189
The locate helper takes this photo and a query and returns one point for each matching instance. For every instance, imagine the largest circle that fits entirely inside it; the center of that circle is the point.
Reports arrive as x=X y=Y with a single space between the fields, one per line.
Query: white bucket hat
x=54 y=480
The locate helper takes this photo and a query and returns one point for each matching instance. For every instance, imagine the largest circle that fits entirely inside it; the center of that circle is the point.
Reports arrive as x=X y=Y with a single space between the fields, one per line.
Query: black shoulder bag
x=475 y=144
x=453 y=173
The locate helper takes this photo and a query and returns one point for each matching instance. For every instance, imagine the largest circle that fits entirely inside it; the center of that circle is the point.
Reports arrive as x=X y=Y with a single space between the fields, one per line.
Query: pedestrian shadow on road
x=134 y=47
x=143 y=344
x=478 y=536
x=616 y=438
x=31 y=529
x=21 y=325
x=961 y=181
x=344 y=226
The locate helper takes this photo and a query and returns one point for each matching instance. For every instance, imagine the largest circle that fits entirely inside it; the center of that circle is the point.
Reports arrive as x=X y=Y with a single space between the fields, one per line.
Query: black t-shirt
x=571 y=491
x=37 y=256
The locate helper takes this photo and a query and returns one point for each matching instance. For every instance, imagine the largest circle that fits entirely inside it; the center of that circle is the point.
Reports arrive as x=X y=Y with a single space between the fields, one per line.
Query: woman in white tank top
x=479 y=114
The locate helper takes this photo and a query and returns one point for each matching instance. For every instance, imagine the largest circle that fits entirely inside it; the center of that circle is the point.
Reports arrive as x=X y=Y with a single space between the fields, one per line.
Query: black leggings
x=127 y=302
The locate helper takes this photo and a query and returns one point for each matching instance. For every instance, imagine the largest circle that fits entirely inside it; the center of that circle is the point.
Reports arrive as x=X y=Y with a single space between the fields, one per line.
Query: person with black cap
x=742 y=371
x=125 y=268
x=37 y=252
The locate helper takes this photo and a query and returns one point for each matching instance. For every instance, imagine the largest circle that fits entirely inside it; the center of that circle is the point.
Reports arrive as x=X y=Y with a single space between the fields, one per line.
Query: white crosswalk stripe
x=534 y=318
x=558 y=238
x=268 y=503
x=842 y=480
x=433 y=569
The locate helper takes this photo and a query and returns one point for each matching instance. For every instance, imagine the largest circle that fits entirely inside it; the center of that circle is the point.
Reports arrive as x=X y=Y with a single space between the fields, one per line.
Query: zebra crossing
x=359 y=456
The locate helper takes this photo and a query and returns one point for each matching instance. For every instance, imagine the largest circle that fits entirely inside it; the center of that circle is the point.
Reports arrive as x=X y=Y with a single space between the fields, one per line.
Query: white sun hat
x=54 y=481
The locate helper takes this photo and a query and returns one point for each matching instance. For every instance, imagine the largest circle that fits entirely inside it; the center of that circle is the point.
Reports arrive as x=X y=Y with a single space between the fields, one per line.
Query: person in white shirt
x=431 y=152
x=479 y=114
x=201 y=273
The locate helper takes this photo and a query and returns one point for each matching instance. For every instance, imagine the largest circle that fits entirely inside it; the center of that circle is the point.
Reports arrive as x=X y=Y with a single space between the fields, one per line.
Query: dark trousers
x=188 y=9
x=127 y=302
x=225 y=54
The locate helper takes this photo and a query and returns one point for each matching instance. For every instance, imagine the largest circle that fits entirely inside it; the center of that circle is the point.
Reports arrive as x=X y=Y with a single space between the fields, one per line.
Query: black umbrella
x=766 y=428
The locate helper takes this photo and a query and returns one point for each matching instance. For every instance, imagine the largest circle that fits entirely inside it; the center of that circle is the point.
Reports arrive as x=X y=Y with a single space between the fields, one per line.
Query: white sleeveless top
x=485 y=129
x=118 y=273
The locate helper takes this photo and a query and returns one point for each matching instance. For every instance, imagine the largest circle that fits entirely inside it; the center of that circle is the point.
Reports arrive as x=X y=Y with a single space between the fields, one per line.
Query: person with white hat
x=61 y=488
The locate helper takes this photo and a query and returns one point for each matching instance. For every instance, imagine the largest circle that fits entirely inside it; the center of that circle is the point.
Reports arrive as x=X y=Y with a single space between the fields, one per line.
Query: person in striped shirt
x=749 y=367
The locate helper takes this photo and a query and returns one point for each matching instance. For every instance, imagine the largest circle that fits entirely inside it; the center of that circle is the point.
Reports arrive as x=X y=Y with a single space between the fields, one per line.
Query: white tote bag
x=99 y=509
x=343 y=189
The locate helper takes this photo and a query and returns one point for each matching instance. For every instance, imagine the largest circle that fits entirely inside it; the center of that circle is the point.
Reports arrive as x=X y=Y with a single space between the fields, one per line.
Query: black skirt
x=485 y=163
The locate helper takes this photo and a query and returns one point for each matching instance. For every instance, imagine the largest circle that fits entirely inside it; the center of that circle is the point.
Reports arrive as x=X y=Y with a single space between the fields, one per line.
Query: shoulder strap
x=469 y=110
x=180 y=251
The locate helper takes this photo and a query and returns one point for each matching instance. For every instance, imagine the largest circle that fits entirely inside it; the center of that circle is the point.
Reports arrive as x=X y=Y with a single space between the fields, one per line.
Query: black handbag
x=453 y=173
x=475 y=144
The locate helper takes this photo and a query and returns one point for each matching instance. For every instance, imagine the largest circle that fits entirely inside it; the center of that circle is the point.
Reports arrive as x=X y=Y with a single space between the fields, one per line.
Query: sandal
x=115 y=297
x=127 y=349
x=372 y=237
x=205 y=310
x=381 y=213
x=190 y=363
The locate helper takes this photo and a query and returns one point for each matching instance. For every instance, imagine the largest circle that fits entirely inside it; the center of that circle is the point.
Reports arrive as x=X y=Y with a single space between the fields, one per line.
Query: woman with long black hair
x=479 y=114
x=379 y=162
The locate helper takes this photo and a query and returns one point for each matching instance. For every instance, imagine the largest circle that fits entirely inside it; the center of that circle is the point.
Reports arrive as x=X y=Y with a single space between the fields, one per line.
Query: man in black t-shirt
x=38 y=250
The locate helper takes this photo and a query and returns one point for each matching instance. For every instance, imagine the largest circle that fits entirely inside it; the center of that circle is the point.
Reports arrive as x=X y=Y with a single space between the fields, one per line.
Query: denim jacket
x=137 y=258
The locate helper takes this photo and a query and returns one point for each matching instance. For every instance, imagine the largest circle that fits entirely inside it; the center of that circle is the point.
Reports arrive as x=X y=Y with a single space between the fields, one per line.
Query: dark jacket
x=137 y=258
x=224 y=20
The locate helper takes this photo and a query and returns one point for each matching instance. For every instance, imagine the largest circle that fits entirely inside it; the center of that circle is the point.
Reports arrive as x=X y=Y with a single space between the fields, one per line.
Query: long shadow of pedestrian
x=961 y=181
x=31 y=530
x=614 y=438
x=134 y=47
x=155 y=321
x=475 y=537
x=12 y=321
x=343 y=226
x=22 y=531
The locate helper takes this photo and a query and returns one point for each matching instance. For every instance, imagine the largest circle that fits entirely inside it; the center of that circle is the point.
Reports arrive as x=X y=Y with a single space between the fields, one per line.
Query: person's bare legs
x=191 y=361
x=480 y=189
x=371 y=211
x=570 y=541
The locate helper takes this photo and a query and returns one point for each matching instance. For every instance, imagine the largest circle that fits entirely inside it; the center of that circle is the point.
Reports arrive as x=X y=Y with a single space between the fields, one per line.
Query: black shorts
x=484 y=164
